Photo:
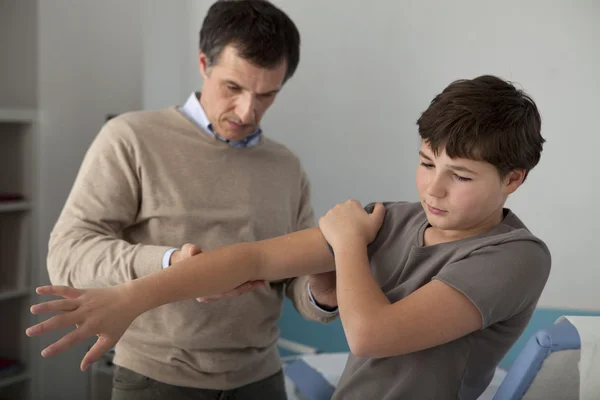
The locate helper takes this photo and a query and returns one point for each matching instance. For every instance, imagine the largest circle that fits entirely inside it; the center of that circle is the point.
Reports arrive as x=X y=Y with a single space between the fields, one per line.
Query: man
x=202 y=173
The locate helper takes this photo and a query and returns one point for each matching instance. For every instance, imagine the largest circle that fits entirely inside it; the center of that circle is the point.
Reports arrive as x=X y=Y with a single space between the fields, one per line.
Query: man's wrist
x=322 y=307
x=166 y=260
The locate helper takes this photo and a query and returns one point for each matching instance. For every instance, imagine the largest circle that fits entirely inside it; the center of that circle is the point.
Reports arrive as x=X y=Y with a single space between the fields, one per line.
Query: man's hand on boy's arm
x=189 y=250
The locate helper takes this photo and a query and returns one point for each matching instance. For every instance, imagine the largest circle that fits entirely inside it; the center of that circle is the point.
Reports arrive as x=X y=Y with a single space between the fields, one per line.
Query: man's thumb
x=190 y=250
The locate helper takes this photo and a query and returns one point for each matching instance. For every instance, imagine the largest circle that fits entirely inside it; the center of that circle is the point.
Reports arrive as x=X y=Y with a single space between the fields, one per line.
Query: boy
x=431 y=294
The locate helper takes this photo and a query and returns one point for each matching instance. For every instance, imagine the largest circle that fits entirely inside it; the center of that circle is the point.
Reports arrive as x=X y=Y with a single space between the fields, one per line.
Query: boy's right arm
x=85 y=248
x=108 y=312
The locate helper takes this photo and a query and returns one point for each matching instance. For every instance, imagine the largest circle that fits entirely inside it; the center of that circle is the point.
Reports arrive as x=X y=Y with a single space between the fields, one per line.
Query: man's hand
x=189 y=250
x=348 y=224
x=243 y=288
x=322 y=287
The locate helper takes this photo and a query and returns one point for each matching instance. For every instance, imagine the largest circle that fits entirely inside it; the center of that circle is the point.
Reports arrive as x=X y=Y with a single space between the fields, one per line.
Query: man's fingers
x=66 y=342
x=243 y=288
x=257 y=284
x=54 y=306
x=102 y=345
x=194 y=250
x=64 y=291
x=52 y=324
x=190 y=250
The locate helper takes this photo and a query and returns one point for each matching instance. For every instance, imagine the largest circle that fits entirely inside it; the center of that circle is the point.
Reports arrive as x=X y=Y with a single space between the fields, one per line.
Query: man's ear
x=513 y=180
x=204 y=65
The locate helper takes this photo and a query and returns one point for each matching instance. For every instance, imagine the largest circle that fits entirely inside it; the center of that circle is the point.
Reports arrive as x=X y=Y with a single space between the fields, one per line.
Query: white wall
x=90 y=65
x=367 y=72
x=18 y=54
x=170 y=53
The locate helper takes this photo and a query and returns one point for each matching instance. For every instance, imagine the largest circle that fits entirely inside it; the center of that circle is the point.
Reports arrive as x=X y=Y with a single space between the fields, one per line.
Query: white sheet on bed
x=331 y=366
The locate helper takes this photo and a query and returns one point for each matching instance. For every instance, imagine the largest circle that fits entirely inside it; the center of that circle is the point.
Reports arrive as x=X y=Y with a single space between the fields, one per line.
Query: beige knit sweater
x=152 y=180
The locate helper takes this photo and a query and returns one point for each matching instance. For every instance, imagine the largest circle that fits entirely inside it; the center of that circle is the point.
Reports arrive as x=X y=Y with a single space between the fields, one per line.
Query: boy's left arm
x=453 y=304
x=314 y=296
x=461 y=299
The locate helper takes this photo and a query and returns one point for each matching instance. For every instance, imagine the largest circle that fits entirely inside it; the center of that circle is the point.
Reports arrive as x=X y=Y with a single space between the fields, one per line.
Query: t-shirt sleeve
x=501 y=280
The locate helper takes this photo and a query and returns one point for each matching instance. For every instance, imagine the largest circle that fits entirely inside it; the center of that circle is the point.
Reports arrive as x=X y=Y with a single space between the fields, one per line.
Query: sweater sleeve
x=86 y=247
x=296 y=288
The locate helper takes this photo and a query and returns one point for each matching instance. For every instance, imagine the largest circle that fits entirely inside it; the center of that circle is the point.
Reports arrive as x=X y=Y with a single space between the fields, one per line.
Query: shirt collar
x=194 y=111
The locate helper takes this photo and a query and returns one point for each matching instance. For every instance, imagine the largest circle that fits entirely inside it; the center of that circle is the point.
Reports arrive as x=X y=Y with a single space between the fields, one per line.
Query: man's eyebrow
x=230 y=82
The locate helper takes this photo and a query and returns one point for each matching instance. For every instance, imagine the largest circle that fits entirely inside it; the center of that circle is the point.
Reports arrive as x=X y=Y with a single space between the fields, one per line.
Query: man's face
x=236 y=93
x=462 y=196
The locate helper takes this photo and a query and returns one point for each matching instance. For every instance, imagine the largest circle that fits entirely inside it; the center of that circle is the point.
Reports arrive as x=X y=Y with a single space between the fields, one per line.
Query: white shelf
x=11 y=380
x=9 y=294
x=19 y=115
x=11 y=206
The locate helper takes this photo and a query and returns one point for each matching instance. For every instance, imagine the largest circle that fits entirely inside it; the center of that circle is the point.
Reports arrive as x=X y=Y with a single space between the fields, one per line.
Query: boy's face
x=462 y=196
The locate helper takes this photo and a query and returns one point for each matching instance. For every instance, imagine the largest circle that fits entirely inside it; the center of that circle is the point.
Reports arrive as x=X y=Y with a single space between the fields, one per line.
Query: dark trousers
x=129 y=385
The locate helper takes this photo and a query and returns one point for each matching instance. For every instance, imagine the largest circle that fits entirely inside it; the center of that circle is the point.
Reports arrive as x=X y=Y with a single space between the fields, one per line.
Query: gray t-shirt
x=502 y=271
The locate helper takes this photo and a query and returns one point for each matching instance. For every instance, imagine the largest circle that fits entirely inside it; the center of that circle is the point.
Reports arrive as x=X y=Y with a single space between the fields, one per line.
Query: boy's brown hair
x=485 y=119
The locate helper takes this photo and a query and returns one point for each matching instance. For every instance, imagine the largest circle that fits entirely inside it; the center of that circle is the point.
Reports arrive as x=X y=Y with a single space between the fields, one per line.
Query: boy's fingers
x=64 y=291
x=102 y=345
x=54 y=306
x=65 y=343
x=54 y=323
x=378 y=213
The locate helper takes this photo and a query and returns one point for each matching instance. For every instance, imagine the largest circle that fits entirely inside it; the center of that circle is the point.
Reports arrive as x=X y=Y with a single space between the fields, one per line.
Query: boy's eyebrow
x=453 y=167
x=424 y=155
x=463 y=169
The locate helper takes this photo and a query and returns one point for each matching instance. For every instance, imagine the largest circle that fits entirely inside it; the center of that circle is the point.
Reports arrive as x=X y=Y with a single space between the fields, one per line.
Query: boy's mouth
x=435 y=210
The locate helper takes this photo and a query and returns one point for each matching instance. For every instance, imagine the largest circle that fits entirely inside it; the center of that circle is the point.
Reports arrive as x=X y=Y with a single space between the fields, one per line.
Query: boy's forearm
x=360 y=298
x=217 y=271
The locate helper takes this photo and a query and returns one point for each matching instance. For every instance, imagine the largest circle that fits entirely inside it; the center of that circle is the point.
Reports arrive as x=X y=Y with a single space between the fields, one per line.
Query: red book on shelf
x=10 y=197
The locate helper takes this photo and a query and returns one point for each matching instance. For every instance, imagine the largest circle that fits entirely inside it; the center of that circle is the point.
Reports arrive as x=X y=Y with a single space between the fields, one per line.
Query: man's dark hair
x=485 y=119
x=261 y=33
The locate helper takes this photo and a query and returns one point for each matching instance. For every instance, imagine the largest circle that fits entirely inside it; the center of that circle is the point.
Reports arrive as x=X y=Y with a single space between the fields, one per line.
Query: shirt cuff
x=166 y=260
x=314 y=303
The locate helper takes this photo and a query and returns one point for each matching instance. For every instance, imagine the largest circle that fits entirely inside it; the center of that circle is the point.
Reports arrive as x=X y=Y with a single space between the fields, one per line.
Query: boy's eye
x=426 y=165
x=233 y=88
x=462 y=178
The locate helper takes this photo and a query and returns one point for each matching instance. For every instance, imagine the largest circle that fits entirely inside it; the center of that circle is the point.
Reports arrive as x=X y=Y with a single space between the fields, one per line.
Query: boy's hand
x=348 y=224
x=106 y=313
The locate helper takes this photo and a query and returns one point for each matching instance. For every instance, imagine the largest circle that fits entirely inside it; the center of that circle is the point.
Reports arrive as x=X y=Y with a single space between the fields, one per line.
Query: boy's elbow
x=362 y=341
x=367 y=347
x=367 y=340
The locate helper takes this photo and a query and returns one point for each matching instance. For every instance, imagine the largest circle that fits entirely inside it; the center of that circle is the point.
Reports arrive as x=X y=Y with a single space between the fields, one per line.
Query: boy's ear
x=513 y=180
